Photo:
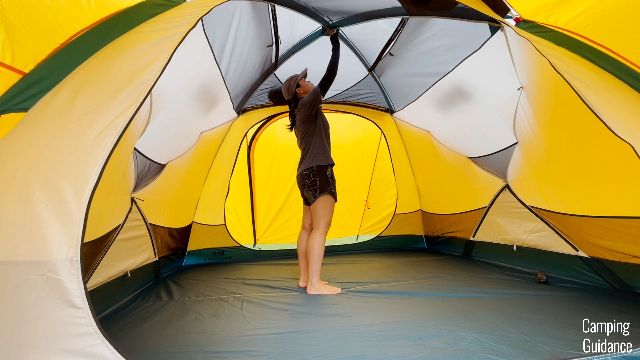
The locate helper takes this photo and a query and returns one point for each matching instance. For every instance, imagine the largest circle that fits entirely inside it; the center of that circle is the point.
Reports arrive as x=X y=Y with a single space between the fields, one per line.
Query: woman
x=315 y=169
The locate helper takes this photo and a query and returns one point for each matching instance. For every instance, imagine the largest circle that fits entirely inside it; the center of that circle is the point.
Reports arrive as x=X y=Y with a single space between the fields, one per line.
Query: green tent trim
x=44 y=77
x=599 y=58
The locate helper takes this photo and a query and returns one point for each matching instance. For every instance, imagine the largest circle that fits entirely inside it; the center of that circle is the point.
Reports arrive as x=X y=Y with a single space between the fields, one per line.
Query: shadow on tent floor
x=395 y=305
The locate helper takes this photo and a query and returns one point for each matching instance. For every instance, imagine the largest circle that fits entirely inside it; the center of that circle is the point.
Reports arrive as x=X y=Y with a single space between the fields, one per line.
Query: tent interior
x=486 y=163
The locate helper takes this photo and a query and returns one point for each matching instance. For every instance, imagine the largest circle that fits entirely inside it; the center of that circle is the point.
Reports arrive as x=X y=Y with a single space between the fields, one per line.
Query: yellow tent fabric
x=41 y=264
x=8 y=122
x=565 y=152
x=172 y=198
x=31 y=32
x=607 y=25
x=367 y=193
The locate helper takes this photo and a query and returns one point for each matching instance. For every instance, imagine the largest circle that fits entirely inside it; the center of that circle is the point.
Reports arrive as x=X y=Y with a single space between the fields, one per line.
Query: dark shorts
x=316 y=181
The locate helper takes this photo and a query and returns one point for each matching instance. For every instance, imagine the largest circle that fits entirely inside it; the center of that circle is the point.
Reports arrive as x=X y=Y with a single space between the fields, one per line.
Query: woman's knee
x=307 y=226
x=322 y=226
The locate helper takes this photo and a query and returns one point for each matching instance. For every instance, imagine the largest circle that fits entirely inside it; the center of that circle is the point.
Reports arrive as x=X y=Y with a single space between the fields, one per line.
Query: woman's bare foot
x=303 y=284
x=322 y=289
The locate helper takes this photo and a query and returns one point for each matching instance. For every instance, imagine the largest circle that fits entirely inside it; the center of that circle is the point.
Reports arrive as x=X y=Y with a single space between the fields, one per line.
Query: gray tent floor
x=394 y=305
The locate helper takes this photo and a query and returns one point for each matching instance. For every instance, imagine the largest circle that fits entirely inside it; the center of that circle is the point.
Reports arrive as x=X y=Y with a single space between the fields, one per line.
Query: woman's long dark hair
x=277 y=98
x=293 y=106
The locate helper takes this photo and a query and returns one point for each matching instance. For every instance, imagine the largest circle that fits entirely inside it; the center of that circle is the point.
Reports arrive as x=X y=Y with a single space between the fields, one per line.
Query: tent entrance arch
x=263 y=208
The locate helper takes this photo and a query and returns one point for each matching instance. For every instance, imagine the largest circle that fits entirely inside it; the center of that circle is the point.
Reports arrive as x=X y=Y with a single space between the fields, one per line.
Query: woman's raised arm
x=332 y=68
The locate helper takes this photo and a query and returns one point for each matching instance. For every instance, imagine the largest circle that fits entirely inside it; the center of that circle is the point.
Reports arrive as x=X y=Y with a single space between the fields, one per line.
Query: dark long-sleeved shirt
x=312 y=127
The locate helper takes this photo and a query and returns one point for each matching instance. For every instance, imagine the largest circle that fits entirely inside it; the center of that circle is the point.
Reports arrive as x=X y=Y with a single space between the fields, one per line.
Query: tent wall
x=467 y=187
x=32 y=32
x=499 y=226
x=611 y=99
x=112 y=198
x=131 y=248
x=8 y=122
x=44 y=215
x=566 y=151
x=600 y=24
x=53 y=69
x=190 y=97
x=172 y=198
x=560 y=267
x=448 y=182
x=211 y=208
x=263 y=207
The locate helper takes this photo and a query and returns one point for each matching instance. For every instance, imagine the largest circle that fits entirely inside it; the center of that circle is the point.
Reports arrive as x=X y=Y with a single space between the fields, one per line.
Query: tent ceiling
x=252 y=40
x=471 y=110
x=292 y=27
x=241 y=38
x=341 y=13
x=327 y=11
x=315 y=57
x=367 y=36
x=427 y=50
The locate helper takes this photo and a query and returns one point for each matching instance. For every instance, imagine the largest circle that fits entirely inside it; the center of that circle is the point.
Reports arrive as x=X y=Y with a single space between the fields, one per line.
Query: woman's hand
x=330 y=31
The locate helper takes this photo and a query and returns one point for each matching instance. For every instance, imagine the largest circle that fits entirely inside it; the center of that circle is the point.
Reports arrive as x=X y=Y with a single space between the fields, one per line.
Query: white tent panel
x=471 y=110
x=371 y=36
x=189 y=98
x=316 y=57
x=292 y=27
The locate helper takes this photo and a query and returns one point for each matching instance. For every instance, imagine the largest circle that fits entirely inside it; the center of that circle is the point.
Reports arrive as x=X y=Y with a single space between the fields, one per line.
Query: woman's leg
x=303 y=240
x=321 y=214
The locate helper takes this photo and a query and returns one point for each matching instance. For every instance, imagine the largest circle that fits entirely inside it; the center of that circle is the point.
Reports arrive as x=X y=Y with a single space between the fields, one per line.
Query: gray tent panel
x=426 y=50
x=146 y=170
x=496 y=163
x=259 y=97
x=366 y=91
x=241 y=37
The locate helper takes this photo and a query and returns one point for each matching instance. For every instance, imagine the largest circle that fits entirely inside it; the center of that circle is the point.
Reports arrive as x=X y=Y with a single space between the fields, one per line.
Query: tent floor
x=394 y=305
